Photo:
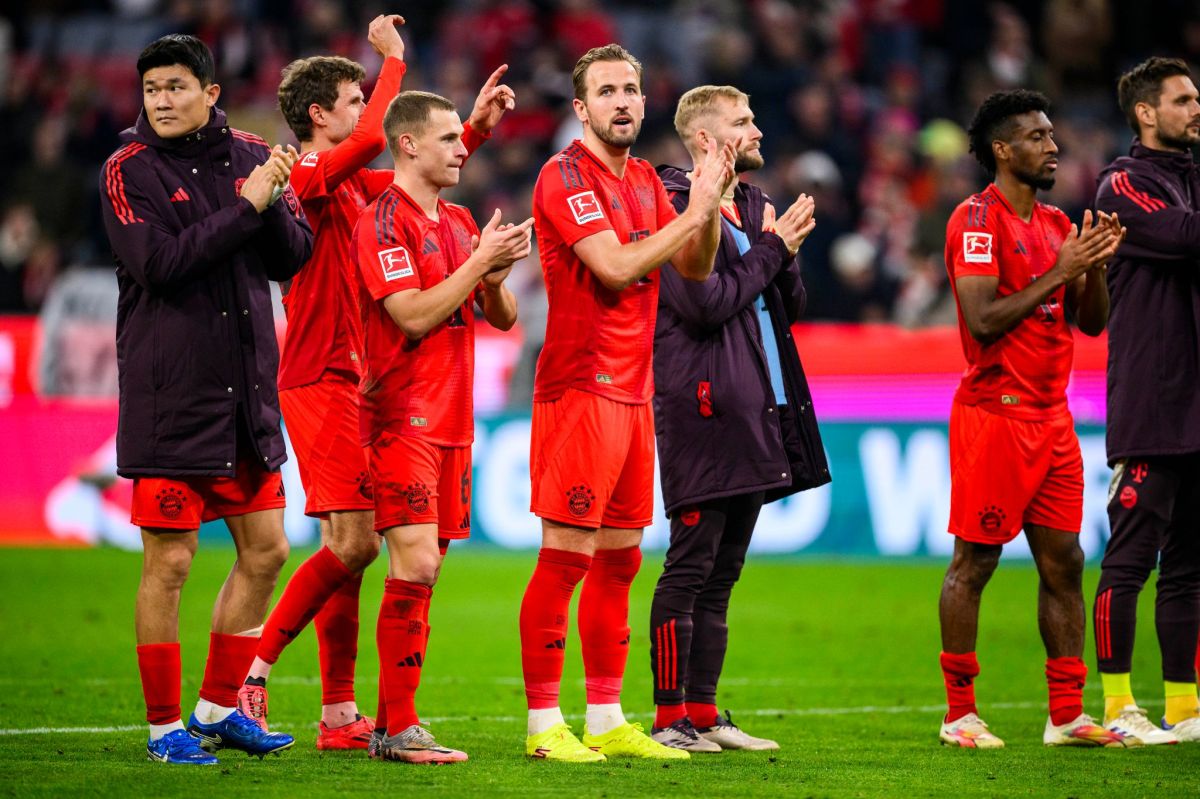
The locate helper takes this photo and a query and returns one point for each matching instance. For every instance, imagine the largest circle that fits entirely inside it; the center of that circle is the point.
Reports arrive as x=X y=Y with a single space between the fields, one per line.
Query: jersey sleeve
x=387 y=260
x=569 y=203
x=971 y=245
x=319 y=174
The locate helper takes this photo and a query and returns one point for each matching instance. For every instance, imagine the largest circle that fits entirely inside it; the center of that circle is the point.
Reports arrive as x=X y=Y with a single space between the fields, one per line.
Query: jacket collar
x=215 y=129
x=1175 y=162
x=676 y=179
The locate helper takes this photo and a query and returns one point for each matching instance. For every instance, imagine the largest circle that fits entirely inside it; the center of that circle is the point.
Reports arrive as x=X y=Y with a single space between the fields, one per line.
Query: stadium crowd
x=862 y=103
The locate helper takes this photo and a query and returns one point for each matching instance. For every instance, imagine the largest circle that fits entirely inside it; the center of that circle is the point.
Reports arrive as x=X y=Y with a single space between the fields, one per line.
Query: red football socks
x=604 y=621
x=161 y=671
x=400 y=636
x=959 y=673
x=229 y=658
x=666 y=715
x=702 y=715
x=337 y=637
x=381 y=708
x=1065 y=678
x=544 y=612
x=306 y=593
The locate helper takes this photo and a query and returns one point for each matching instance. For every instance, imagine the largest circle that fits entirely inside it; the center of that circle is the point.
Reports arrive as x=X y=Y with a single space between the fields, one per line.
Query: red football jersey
x=334 y=186
x=597 y=340
x=1024 y=373
x=414 y=388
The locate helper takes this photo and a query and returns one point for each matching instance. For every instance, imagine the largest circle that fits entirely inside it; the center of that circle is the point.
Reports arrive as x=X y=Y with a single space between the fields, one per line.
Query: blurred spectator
x=861 y=103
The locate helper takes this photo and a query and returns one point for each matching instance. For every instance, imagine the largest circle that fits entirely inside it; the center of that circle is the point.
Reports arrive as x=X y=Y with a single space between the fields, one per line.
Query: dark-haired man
x=322 y=102
x=605 y=225
x=1017 y=268
x=1154 y=399
x=189 y=206
x=423 y=266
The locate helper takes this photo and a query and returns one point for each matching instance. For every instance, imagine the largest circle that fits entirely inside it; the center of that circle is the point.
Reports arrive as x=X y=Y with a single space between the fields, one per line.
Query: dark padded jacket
x=1154 y=289
x=195 y=331
x=719 y=430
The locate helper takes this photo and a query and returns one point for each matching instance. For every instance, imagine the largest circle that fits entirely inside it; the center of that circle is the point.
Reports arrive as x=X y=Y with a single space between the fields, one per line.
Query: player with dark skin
x=1024 y=164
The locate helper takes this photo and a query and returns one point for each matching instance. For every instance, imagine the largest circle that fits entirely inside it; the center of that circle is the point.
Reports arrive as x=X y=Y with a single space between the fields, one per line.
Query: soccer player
x=1017 y=267
x=189 y=213
x=322 y=101
x=604 y=225
x=733 y=417
x=1154 y=400
x=422 y=264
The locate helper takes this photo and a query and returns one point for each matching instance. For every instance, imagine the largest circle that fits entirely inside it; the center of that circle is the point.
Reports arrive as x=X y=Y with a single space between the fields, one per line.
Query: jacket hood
x=143 y=133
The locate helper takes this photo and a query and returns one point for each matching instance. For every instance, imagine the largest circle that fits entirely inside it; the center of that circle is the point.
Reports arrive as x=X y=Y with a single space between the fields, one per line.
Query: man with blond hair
x=732 y=414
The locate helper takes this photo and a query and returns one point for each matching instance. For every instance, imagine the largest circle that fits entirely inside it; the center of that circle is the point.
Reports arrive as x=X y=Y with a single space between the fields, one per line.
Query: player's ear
x=1001 y=151
x=1146 y=115
x=580 y=110
x=316 y=114
x=211 y=93
x=408 y=145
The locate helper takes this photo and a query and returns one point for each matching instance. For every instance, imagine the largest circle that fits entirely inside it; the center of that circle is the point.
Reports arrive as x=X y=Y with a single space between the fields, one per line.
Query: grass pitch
x=836 y=660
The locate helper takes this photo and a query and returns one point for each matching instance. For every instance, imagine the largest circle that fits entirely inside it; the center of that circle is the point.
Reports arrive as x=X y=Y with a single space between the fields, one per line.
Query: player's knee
x=424 y=571
x=1064 y=572
x=170 y=567
x=266 y=558
x=358 y=553
x=972 y=569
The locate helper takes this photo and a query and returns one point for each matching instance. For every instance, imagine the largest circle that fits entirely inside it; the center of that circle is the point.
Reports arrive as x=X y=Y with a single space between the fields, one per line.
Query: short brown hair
x=313 y=80
x=698 y=101
x=1143 y=84
x=609 y=52
x=409 y=113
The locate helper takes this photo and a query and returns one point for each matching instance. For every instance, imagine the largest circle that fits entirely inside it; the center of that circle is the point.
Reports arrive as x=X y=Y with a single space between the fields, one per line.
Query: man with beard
x=604 y=225
x=1153 y=399
x=1017 y=267
x=733 y=417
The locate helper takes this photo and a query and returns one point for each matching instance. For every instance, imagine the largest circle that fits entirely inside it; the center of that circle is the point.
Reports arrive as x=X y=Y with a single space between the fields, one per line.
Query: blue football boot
x=180 y=748
x=238 y=731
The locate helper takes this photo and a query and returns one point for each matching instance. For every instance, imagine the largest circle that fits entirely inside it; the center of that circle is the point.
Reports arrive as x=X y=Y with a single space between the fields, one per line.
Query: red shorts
x=322 y=424
x=592 y=461
x=182 y=504
x=421 y=483
x=1007 y=473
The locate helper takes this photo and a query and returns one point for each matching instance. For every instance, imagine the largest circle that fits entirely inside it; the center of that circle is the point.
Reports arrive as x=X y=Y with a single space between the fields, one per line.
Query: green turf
x=836 y=660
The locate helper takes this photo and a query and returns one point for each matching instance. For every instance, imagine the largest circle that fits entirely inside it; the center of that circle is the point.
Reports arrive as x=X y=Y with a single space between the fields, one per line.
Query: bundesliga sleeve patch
x=396 y=263
x=977 y=248
x=309 y=160
x=584 y=207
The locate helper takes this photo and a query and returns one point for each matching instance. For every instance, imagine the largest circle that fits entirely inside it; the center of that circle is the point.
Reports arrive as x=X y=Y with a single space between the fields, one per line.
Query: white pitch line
x=802 y=711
